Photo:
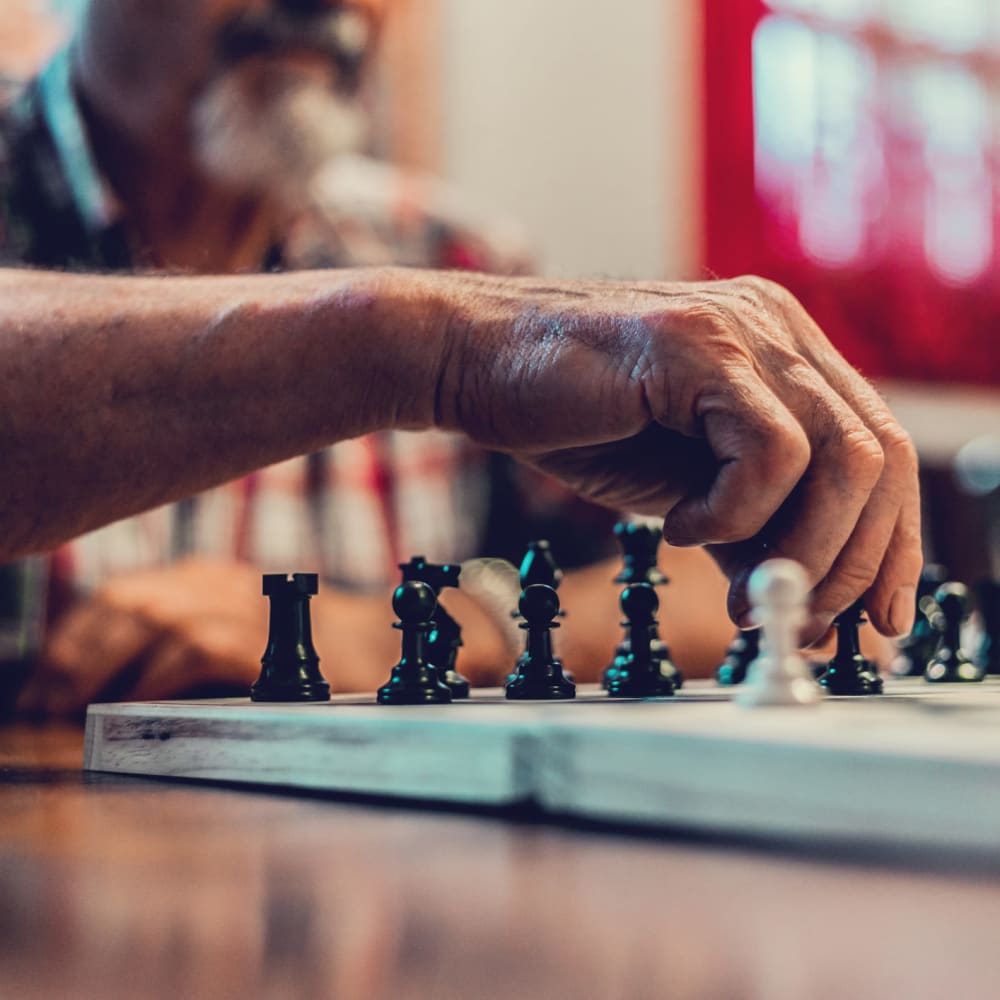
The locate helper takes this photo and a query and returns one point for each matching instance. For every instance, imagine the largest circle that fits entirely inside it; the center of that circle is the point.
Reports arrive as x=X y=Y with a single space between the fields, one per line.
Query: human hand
x=720 y=405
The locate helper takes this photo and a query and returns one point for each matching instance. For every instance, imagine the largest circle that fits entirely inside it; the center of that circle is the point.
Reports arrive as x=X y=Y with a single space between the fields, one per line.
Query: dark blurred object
x=950 y=663
x=988 y=601
x=741 y=653
x=23 y=591
x=953 y=430
x=918 y=647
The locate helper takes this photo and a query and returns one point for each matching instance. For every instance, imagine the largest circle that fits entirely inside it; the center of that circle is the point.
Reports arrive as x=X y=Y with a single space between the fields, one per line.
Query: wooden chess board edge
x=295 y=750
x=739 y=787
x=693 y=768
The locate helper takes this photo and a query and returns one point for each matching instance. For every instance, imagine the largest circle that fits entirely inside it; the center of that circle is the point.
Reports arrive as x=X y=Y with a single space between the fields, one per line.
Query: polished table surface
x=127 y=887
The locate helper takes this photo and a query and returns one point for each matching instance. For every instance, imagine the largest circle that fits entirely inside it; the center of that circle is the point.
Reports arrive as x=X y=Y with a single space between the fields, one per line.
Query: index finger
x=761 y=453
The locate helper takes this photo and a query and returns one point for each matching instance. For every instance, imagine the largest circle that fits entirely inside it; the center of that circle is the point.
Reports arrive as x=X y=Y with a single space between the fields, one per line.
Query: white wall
x=580 y=118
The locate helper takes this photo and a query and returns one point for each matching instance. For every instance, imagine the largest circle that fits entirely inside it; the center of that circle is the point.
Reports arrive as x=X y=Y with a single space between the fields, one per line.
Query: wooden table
x=113 y=887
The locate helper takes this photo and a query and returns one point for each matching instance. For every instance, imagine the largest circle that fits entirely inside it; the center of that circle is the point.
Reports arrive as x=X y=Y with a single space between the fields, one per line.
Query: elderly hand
x=719 y=405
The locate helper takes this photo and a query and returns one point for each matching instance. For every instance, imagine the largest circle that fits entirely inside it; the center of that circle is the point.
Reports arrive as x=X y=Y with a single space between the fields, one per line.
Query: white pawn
x=778 y=591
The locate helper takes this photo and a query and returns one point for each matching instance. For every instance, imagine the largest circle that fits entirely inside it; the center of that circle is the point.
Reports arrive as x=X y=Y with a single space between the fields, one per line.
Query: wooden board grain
x=918 y=767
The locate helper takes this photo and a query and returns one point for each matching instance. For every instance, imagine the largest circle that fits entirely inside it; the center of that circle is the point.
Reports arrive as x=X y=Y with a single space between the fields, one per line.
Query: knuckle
x=856 y=575
x=847 y=583
x=765 y=290
x=863 y=456
x=710 y=321
x=900 y=451
x=789 y=446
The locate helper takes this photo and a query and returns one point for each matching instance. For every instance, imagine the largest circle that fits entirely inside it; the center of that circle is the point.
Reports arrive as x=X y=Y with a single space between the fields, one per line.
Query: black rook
x=290 y=666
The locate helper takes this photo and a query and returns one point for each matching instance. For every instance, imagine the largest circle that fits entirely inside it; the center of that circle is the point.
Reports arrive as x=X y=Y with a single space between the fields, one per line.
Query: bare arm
x=119 y=394
x=719 y=405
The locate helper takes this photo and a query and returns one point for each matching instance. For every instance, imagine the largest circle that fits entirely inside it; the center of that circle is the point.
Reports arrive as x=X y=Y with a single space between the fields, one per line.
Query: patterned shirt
x=352 y=511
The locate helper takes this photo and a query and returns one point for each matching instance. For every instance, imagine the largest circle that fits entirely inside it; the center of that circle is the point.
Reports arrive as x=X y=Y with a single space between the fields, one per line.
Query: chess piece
x=988 y=654
x=778 y=591
x=741 y=653
x=849 y=673
x=539 y=673
x=413 y=680
x=950 y=664
x=914 y=652
x=538 y=566
x=639 y=674
x=640 y=544
x=445 y=637
x=290 y=666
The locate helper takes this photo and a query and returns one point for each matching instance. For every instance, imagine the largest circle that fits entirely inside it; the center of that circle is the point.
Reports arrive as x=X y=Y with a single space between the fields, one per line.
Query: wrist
x=410 y=338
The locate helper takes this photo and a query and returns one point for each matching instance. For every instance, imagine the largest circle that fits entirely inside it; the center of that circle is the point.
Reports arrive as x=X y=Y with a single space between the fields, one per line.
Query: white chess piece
x=778 y=591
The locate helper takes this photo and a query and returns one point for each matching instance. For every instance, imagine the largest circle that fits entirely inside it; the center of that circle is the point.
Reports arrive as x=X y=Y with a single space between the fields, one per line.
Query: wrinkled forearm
x=119 y=394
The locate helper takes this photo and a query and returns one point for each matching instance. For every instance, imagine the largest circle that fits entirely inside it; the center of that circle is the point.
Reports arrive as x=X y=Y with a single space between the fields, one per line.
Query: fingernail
x=679 y=539
x=902 y=609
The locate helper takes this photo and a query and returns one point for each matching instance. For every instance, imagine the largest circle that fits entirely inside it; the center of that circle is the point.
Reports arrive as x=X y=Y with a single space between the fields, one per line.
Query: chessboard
x=917 y=767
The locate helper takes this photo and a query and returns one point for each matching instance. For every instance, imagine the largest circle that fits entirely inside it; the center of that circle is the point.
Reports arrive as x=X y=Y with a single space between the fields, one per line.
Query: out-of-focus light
x=977 y=465
x=957 y=26
x=850 y=11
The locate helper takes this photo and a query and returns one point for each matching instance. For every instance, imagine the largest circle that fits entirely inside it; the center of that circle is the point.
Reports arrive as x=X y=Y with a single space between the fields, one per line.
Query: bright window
x=861 y=149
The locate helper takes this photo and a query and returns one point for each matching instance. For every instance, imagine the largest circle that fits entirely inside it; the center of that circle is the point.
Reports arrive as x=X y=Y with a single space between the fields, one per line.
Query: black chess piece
x=915 y=651
x=950 y=664
x=538 y=566
x=413 y=680
x=445 y=637
x=661 y=653
x=539 y=673
x=290 y=666
x=640 y=544
x=988 y=598
x=639 y=674
x=741 y=653
x=849 y=673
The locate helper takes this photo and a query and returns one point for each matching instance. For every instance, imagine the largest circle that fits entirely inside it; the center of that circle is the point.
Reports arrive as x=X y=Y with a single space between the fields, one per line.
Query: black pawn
x=741 y=653
x=950 y=664
x=290 y=666
x=639 y=673
x=538 y=566
x=640 y=546
x=413 y=680
x=445 y=637
x=849 y=673
x=915 y=651
x=988 y=654
x=661 y=653
x=539 y=674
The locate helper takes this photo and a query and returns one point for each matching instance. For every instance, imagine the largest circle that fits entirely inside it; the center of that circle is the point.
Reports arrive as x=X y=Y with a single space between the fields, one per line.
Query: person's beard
x=272 y=140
